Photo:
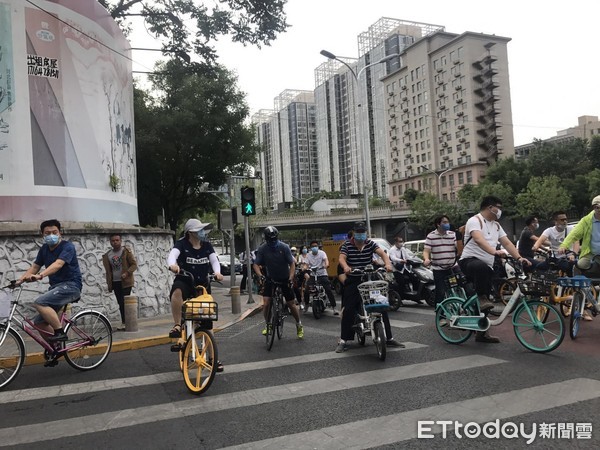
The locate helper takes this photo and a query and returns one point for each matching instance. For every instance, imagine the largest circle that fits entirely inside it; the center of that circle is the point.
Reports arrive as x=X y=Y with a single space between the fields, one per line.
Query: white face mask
x=498 y=214
x=536 y=226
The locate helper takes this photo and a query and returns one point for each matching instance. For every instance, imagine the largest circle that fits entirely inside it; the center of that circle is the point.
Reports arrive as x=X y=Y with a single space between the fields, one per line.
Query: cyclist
x=196 y=255
x=276 y=258
x=555 y=236
x=482 y=235
x=528 y=239
x=356 y=253
x=59 y=259
x=318 y=258
x=398 y=256
x=440 y=254
x=588 y=232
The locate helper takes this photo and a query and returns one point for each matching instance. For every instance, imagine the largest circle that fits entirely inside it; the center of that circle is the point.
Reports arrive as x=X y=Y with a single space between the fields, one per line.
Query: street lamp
x=439 y=179
x=362 y=149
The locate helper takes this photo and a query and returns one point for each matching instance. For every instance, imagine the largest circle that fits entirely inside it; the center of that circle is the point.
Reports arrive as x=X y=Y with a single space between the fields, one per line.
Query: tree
x=543 y=196
x=410 y=195
x=190 y=26
x=426 y=207
x=190 y=136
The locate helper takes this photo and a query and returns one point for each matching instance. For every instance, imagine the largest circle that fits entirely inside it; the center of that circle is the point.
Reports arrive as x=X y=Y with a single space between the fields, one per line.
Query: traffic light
x=248 y=201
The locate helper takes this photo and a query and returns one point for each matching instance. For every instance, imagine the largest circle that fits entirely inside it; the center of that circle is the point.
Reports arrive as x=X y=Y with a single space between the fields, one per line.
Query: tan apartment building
x=448 y=113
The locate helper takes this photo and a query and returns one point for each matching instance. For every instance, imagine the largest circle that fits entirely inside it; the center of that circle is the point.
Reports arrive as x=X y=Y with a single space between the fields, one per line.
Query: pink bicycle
x=89 y=337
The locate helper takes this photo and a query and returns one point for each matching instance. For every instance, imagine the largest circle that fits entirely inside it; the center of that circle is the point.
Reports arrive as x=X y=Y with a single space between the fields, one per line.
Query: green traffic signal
x=248 y=201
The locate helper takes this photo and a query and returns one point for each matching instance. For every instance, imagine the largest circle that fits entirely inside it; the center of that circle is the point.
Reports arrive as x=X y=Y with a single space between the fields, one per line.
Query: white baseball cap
x=194 y=225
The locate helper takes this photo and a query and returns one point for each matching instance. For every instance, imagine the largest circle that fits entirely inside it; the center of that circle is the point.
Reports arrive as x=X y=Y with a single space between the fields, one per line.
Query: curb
x=145 y=342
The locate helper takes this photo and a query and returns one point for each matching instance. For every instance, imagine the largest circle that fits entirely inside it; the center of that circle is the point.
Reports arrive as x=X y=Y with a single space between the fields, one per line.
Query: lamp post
x=439 y=179
x=362 y=149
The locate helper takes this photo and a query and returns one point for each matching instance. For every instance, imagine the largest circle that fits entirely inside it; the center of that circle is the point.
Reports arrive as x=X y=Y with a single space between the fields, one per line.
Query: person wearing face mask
x=587 y=231
x=528 y=239
x=356 y=253
x=482 y=235
x=192 y=253
x=318 y=258
x=440 y=254
x=554 y=236
x=59 y=259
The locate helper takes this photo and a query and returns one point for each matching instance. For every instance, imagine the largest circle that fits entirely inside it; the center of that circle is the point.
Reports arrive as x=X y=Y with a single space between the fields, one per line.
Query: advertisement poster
x=7 y=90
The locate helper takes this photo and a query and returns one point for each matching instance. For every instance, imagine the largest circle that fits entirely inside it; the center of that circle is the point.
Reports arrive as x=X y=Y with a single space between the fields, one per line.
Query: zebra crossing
x=313 y=375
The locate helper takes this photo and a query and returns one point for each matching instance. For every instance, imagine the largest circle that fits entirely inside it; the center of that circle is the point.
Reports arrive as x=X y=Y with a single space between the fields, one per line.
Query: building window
x=461 y=179
x=469 y=177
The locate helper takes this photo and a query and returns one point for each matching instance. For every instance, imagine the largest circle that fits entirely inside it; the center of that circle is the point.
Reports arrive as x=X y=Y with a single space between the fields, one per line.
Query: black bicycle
x=277 y=314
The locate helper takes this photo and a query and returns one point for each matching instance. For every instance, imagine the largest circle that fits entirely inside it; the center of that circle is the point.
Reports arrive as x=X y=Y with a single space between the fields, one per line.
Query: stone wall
x=19 y=244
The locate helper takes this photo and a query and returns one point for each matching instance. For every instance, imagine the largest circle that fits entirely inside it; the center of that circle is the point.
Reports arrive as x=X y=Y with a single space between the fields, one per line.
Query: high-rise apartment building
x=448 y=112
x=287 y=137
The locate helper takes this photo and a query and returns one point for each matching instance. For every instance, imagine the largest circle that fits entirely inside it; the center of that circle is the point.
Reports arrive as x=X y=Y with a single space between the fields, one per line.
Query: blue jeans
x=58 y=296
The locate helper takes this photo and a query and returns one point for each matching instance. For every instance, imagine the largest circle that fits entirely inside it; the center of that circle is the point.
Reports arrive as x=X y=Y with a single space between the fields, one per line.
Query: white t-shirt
x=317 y=260
x=556 y=237
x=492 y=232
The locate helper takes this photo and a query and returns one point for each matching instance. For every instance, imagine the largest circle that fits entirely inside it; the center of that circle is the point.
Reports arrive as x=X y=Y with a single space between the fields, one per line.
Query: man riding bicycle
x=62 y=269
x=357 y=253
x=318 y=258
x=588 y=232
x=279 y=265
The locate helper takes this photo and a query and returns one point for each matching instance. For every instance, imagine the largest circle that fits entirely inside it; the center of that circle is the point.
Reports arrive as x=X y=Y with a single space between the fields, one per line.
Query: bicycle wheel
x=452 y=306
x=380 y=343
x=280 y=318
x=394 y=299
x=542 y=313
x=533 y=334
x=89 y=340
x=317 y=307
x=12 y=355
x=271 y=325
x=577 y=307
x=200 y=361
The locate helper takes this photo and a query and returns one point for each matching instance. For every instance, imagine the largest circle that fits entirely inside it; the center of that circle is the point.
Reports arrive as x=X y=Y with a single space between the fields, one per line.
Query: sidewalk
x=154 y=331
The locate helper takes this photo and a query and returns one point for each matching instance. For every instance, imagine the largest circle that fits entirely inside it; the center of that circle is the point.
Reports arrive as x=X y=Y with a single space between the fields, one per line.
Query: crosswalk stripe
x=425 y=312
x=147 y=380
x=380 y=431
x=404 y=324
x=149 y=414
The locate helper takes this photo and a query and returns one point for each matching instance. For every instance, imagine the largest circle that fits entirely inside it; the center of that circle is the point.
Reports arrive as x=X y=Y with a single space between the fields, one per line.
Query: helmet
x=271 y=234
x=294 y=249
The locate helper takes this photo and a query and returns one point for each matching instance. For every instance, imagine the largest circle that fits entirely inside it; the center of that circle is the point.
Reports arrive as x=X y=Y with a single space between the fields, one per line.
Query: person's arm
x=131 y=262
x=477 y=236
x=292 y=273
x=172 y=260
x=31 y=273
x=512 y=250
x=539 y=242
x=345 y=267
x=216 y=266
x=575 y=235
x=393 y=255
x=386 y=259
x=426 y=256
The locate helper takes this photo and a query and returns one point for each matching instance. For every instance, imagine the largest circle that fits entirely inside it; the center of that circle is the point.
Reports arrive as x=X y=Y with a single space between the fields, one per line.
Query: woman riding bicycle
x=196 y=255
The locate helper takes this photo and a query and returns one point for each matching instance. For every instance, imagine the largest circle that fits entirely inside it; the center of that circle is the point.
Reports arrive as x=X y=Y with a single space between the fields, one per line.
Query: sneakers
x=175 y=331
x=299 y=331
x=394 y=343
x=484 y=336
x=335 y=312
x=60 y=337
x=586 y=316
x=443 y=323
x=266 y=329
x=341 y=347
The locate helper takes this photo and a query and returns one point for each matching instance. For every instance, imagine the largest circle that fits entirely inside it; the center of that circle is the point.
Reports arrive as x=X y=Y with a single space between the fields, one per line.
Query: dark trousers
x=439 y=279
x=120 y=293
x=323 y=281
x=478 y=273
x=351 y=301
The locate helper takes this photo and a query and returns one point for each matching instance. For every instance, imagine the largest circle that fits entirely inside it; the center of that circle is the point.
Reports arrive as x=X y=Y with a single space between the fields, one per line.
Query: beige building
x=448 y=113
x=587 y=127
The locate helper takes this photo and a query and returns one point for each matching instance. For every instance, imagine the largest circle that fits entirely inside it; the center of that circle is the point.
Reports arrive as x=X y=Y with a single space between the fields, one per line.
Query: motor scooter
x=418 y=284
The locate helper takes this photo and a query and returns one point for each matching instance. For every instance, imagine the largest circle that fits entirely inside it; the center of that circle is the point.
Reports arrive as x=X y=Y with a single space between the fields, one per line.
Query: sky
x=554 y=66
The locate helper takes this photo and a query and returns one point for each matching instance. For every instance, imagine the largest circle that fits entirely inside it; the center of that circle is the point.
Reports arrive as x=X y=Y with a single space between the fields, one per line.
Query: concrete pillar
x=236 y=301
x=131 y=313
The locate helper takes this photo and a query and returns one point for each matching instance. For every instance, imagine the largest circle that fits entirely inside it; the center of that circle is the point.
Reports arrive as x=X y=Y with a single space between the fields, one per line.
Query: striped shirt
x=442 y=248
x=358 y=259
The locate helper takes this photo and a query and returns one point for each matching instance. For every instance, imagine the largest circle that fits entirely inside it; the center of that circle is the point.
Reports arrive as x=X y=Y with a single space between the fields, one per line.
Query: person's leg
x=388 y=331
x=351 y=302
x=49 y=303
x=324 y=280
x=439 y=279
x=481 y=274
x=120 y=296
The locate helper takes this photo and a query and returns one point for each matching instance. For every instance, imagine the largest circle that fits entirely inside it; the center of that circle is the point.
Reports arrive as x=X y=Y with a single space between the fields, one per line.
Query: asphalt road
x=303 y=395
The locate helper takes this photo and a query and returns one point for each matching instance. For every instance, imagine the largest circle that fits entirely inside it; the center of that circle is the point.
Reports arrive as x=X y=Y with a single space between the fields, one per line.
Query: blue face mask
x=51 y=239
x=201 y=235
x=445 y=226
x=304 y=251
x=273 y=244
x=314 y=250
x=360 y=237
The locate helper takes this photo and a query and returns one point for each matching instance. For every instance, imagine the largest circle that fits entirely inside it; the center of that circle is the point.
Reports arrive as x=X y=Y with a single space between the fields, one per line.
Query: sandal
x=220 y=367
x=175 y=331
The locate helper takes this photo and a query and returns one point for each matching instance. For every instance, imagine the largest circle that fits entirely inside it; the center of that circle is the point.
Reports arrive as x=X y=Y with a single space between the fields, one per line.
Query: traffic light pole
x=231 y=237
x=248 y=264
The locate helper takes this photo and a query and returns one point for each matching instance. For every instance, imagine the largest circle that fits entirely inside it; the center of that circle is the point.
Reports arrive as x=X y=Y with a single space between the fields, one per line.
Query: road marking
x=149 y=414
x=168 y=377
x=387 y=430
x=404 y=324
x=413 y=310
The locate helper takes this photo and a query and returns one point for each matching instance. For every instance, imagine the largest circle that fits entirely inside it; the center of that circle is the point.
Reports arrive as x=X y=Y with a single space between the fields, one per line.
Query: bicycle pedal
x=175 y=348
x=51 y=363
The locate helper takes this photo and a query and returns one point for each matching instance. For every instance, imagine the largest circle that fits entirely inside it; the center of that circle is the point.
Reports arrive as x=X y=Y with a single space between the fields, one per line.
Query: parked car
x=225 y=261
x=416 y=247
x=385 y=245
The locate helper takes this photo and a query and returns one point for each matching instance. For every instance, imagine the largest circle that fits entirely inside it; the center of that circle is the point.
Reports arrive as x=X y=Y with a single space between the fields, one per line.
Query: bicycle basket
x=538 y=285
x=5 y=301
x=578 y=281
x=374 y=295
x=202 y=307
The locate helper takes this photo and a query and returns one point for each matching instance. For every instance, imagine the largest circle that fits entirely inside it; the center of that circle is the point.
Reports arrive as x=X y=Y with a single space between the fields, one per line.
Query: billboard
x=67 y=145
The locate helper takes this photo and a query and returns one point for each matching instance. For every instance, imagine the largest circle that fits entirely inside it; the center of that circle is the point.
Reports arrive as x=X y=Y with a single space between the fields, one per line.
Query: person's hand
x=524 y=261
x=347 y=269
x=571 y=257
x=124 y=275
x=389 y=268
x=561 y=250
x=500 y=253
x=219 y=276
x=174 y=268
x=427 y=262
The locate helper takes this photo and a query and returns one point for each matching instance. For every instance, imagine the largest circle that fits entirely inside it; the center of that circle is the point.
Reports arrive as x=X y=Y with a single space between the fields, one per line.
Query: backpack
x=460 y=236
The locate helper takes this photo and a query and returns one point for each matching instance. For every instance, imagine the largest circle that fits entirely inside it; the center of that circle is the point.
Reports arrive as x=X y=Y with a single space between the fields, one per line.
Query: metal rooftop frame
x=380 y=30
x=262 y=116
x=332 y=67
x=289 y=95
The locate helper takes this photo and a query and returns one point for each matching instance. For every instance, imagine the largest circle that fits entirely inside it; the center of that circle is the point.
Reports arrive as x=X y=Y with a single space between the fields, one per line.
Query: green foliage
x=542 y=196
x=191 y=26
x=410 y=195
x=426 y=207
x=191 y=134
